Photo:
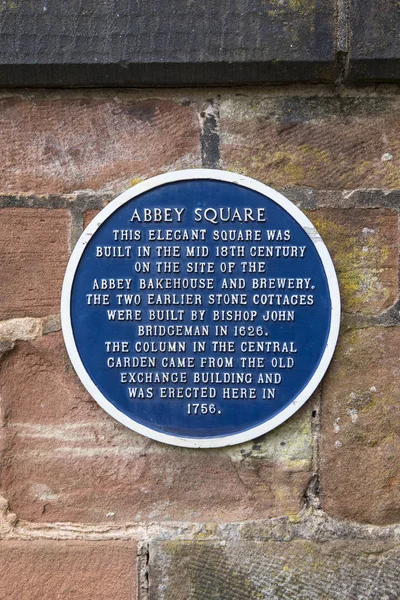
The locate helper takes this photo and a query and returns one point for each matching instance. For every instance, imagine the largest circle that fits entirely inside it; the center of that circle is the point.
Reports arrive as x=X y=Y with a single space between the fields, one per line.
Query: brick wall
x=90 y=509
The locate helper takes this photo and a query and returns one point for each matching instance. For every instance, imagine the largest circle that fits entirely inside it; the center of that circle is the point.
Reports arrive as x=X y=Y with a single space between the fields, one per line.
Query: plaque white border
x=218 y=175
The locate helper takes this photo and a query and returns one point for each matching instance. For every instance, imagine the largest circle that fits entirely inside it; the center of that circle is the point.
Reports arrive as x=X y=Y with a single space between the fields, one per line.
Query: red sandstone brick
x=80 y=141
x=364 y=245
x=320 y=142
x=89 y=216
x=34 y=250
x=46 y=570
x=360 y=448
x=65 y=459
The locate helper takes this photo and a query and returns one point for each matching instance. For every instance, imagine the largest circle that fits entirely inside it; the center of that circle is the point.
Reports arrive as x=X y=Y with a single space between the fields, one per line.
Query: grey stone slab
x=153 y=42
x=301 y=570
x=375 y=41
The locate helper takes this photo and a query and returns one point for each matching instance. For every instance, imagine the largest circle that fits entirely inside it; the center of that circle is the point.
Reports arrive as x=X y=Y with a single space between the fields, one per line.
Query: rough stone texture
x=20 y=329
x=166 y=43
x=52 y=143
x=67 y=570
x=34 y=250
x=374 y=48
x=300 y=570
x=314 y=524
x=365 y=250
x=7 y=519
x=89 y=216
x=51 y=323
x=360 y=447
x=65 y=459
x=320 y=141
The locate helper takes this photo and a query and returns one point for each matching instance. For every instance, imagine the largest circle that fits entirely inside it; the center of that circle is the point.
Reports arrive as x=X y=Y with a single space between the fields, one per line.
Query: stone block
x=364 y=247
x=314 y=140
x=360 y=446
x=33 y=570
x=65 y=459
x=302 y=570
x=34 y=250
x=374 y=45
x=53 y=144
x=172 y=43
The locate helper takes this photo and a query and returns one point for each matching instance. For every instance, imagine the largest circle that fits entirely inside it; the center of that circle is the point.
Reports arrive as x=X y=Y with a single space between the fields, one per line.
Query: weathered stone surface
x=89 y=216
x=20 y=329
x=365 y=250
x=73 y=570
x=374 y=47
x=360 y=447
x=51 y=143
x=51 y=323
x=65 y=459
x=300 y=570
x=324 y=142
x=7 y=518
x=158 y=43
x=314 y=524
x=34 y=250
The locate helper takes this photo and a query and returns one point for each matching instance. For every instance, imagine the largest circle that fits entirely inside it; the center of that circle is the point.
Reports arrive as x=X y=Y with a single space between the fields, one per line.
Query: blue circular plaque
x=200 y=308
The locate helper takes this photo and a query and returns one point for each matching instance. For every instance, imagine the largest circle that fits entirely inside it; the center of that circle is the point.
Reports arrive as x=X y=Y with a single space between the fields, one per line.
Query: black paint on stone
x=181 y=42
x=375 y=41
